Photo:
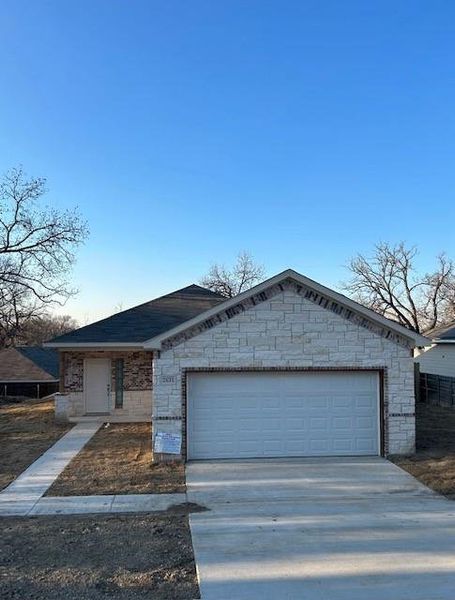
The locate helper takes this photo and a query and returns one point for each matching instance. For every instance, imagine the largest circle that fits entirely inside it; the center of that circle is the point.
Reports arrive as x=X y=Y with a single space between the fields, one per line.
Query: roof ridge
x=156 y=299
x=121 y=312
x=194 y=285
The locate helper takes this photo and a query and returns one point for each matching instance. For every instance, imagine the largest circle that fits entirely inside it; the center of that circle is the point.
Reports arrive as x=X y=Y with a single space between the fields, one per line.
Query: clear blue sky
x=302 y=131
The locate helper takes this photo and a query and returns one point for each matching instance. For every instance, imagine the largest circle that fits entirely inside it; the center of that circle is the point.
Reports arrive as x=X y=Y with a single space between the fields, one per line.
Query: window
x=119 y=383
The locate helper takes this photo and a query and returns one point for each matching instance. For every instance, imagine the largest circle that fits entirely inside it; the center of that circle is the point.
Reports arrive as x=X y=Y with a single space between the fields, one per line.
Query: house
x=438 y=357
x=287 y=368
x=29 y=371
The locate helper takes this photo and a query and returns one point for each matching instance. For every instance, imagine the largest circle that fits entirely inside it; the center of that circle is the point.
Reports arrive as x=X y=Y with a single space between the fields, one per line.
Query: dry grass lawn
x=118 y=460
x=26 y=431
x=95 y=557
x=434 y=462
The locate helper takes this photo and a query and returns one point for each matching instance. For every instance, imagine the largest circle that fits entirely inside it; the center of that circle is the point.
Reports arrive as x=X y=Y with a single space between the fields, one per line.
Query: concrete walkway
x=24 y=492
x=24 y=496
x=108 y=504
x=338 y=529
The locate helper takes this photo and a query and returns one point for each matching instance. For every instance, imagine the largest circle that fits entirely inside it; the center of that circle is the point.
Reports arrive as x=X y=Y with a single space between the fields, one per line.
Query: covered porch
x=100 y=385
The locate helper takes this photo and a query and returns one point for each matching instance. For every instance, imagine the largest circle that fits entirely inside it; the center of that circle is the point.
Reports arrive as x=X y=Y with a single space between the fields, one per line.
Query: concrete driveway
x=311 y=529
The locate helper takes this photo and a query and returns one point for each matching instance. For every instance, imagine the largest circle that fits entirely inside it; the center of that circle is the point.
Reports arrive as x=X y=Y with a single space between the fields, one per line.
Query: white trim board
x=95 y=345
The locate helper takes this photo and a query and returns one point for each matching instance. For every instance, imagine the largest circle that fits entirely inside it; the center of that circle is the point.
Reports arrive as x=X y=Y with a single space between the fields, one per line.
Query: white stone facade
x=289 y=331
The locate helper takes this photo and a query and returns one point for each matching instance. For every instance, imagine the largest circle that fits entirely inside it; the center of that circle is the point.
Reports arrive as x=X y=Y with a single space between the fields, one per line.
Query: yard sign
x=167 y=443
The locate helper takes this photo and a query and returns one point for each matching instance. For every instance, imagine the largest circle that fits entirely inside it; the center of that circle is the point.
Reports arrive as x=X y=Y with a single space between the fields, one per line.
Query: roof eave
x=418 y=339
x=93 y=345
x=51 y=380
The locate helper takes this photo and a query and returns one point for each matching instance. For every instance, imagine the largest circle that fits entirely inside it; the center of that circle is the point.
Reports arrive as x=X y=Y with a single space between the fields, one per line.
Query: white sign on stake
x=167 y=443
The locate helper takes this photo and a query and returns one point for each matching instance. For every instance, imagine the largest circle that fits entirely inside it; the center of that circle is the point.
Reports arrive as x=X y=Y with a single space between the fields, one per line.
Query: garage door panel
x=295 y=448
x=315 y=402
x=319 y=446
x=365 y=445
x=365 y=423
x=222 y=426
x=340 y=445
x=319 y=423
x=282 y=414
x=247 y=429
x=294 y=424
x=342 y=423
x=364 y=401
x=341 y=402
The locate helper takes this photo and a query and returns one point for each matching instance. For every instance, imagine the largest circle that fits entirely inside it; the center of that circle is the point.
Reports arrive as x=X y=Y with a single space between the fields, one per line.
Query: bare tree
x=37 y=246
x=15 y=311
x=229 y=282
x=37 y=330
x=389 y=283
x=118 y=307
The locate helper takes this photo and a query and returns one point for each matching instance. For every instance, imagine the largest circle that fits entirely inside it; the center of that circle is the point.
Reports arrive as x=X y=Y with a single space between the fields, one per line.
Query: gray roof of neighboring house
x=29 y=363
x=445 y=332
x=45 y=358
x=147 y=320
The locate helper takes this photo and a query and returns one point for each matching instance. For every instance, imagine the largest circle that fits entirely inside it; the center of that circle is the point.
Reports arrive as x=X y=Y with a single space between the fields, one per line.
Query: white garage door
x=241 y=415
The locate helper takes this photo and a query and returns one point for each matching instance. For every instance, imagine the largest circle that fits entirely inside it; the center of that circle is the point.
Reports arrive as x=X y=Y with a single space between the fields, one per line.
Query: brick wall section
x=137 y=382
x=137 y=369
x=289 y=330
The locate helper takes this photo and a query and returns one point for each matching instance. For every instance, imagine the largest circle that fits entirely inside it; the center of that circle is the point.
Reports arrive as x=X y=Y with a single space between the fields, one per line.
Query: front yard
x=123 y=557
x=434 y=462
x=26 y=431
x=98 y=557
x=118 y=460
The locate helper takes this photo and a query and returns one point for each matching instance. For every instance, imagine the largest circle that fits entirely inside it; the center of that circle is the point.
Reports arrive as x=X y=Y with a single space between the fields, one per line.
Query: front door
x=97 y=385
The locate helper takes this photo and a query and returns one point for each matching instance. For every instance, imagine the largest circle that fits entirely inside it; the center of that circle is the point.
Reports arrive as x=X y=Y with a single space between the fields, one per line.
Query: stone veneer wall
x=288 y=330
x=137 y=383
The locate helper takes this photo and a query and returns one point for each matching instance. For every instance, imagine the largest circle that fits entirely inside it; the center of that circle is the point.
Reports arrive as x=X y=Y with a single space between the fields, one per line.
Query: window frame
x=119 y=378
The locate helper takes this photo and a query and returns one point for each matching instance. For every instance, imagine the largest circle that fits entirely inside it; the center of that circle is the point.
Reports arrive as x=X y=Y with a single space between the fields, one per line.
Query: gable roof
x=29 y=363
x=149 y=324
x=444 y=333
x=140 y=323
x=416 y=339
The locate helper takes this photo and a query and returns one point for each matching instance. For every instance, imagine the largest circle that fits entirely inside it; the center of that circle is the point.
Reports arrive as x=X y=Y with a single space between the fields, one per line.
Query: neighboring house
x=288 y=368
x=439 y=357
x=29 y=371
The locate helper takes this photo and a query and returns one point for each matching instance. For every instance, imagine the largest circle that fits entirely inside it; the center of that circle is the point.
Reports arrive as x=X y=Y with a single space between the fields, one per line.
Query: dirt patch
x=186 y=508
x=97 y=557
x=13 y=399
x=118 y=460
x=26 y=431
x=434 y=462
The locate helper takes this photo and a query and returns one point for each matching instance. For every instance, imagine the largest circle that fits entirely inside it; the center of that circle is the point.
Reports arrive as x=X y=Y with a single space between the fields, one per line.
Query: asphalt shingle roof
x=28 y=363
x=446 y=332
x=45 y=358
x=147 y=320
